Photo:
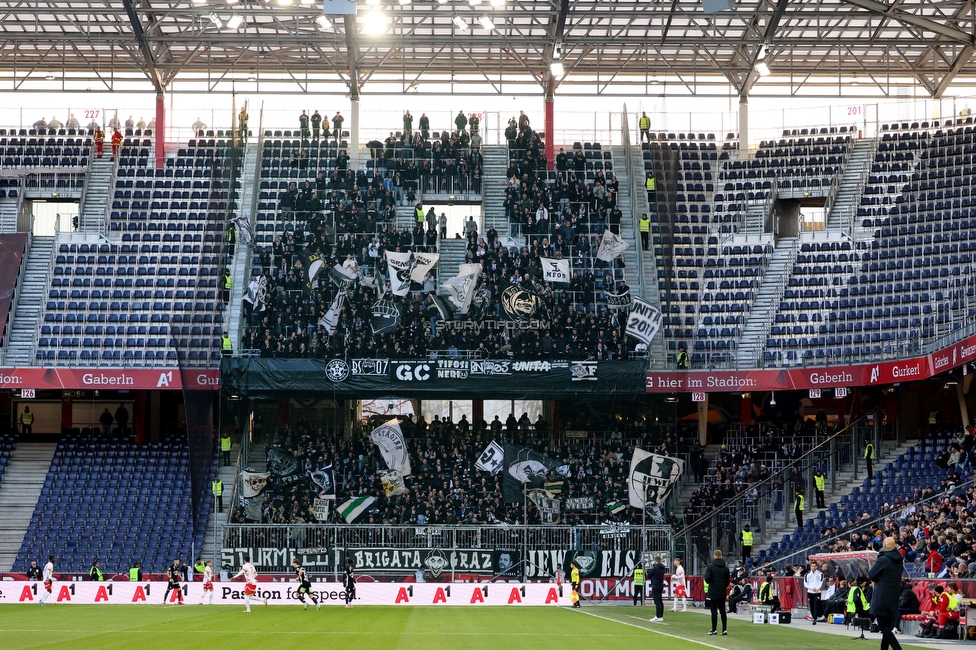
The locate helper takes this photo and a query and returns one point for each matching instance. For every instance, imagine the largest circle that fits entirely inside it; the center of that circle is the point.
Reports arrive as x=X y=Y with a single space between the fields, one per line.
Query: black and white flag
x=548 y=507
x=389 y=438
x=343 y=277
x=524 y=466
x=491 y=459
x=611 y=246
x=385 y=318
x=620 y=300
x=331 y=318
x=555 y=270
x=651 y=477
x=242 y=224
x=323 y=482
x=461 y=287
x=398 y=268
x=644 y=321
x=422 y=263
x=392 y=481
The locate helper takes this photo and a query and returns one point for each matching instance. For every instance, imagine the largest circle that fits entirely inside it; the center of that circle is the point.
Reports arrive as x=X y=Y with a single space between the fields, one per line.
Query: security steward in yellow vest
x=199 y=566
x=226 y=345
x=638 y=585
x=225 y=448
x=26 y=421
x=682 y=358
x=857 y=604
x=226 y=281
x=745 y=537
x=798 y=508
x=418 y=214
x=820 y=482
x=645 y=231
x=766 y=596
x=869 y=457
x=135 y=573
x=217 y=487
x=644 y=124
x=95 y=574
x=651 y=186
x=242 y=123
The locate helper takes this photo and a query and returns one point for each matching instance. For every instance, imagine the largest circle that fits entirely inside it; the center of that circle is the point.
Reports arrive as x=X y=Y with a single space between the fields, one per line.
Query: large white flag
x=651 y=477
x=611 y=246
x=331 y=317
x=461 y=287
x=465 y=269
x=423 y=262
x=389 y=438
x=491 y=459
x=644 y=320
x=554 y=270
x=398 y=267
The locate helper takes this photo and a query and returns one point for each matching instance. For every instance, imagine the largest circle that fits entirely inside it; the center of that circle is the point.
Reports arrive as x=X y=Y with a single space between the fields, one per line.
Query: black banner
x=523 y=467
x=434 y=561
x=259 y=378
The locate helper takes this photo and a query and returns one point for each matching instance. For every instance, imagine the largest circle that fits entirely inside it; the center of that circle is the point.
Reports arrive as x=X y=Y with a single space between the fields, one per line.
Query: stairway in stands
x=753 y=338
x=784 y=521
x=452 y=256
x=19 y=491
x=241 y=261
x=628 y=230
x=101 y=180
x=27 y=309
x=9 y=208
x=228 y=475
x=495 y=184
x=851 y=188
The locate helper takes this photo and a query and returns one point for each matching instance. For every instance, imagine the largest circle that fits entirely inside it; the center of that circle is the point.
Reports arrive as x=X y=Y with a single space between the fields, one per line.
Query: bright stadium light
x=762 y=68
x=233 y=2
x=460 y=23
x=497 y=3
x=474 y=3
x=308 y=3
x=199 y=2
x=374 y=22
x=486 y=23
x=324 y=23
x=556 y=68
x=235 y=21
x=215 y=19
x=284 y=3
x=404 y=2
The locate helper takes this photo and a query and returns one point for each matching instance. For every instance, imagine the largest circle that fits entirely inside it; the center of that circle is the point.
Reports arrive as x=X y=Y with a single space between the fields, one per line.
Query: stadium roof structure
x=607 y=47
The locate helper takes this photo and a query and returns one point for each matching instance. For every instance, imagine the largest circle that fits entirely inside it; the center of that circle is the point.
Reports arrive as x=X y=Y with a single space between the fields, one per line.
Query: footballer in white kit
x=208 y=583
x=48 y=577
x=250 y=582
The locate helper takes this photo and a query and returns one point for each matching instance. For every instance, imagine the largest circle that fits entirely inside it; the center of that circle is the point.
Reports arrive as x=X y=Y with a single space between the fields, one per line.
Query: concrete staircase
x=494 y=185
x=452 y=256
x=9 y=208
x=19 y=351
x=241 y=262
x=98 y=193
x=19 y=491
x=649 y=282
x=755 y=220
x=228 y=475
x=753 y=338
x=628 y=230
x=849 y=193
x=784 y=521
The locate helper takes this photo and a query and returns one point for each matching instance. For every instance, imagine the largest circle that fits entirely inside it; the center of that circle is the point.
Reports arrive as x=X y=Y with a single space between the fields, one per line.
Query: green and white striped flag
x=352 y=508
x=616 y=507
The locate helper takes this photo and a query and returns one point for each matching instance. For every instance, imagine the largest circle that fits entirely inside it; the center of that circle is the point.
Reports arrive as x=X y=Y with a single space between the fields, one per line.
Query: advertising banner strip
x=286 y=593
x=108 y=379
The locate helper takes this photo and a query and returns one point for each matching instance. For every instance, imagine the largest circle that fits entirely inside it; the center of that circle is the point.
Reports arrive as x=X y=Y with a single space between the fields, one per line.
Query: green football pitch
x=142 y=627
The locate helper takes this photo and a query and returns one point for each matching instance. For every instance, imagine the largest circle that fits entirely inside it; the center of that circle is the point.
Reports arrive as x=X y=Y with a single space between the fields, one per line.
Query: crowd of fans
x=445 y=487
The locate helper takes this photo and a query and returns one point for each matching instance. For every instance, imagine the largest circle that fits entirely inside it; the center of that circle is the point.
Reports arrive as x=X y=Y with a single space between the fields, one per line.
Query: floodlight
x=235 y=21
x=486 y=23
x=762 y=68
x=374 y=22
x=556 y=68
x=460 y=23
x=215 y=19
x=324 y=23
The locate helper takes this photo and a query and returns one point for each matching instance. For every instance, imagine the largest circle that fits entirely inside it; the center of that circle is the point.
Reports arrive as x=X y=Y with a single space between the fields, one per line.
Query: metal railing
x=628 y=542
x=634 y=215
x=760 y=503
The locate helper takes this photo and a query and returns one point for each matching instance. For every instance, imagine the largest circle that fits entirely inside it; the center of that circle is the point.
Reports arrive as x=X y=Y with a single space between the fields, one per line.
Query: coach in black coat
x=886 y=575
x=717 y=579
x=655 y=576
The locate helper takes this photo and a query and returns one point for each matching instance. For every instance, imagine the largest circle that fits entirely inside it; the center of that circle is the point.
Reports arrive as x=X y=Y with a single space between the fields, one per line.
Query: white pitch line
x=313 y=633
x=648 y=629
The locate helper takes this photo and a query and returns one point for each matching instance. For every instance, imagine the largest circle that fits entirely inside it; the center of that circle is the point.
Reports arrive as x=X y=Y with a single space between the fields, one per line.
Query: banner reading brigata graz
x=871 y=374
x=107 y=379
x=502 y=378
x=285 y=593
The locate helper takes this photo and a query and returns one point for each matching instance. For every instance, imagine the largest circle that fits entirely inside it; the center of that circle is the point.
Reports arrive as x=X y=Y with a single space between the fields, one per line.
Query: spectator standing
x=813 y=582
x=303 y=124
x=645 y=127
x=198 y=126
x=337 y=121
x=27 y=421
x=316 y=121
x=106 y=420
x=99 y=139
x=460 y=121
x=645 y=231
x=424 y=125
x=116 y=144
x=122 y=418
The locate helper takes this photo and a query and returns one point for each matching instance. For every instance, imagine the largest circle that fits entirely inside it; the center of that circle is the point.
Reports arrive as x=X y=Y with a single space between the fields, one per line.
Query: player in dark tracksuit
x=175 y=574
